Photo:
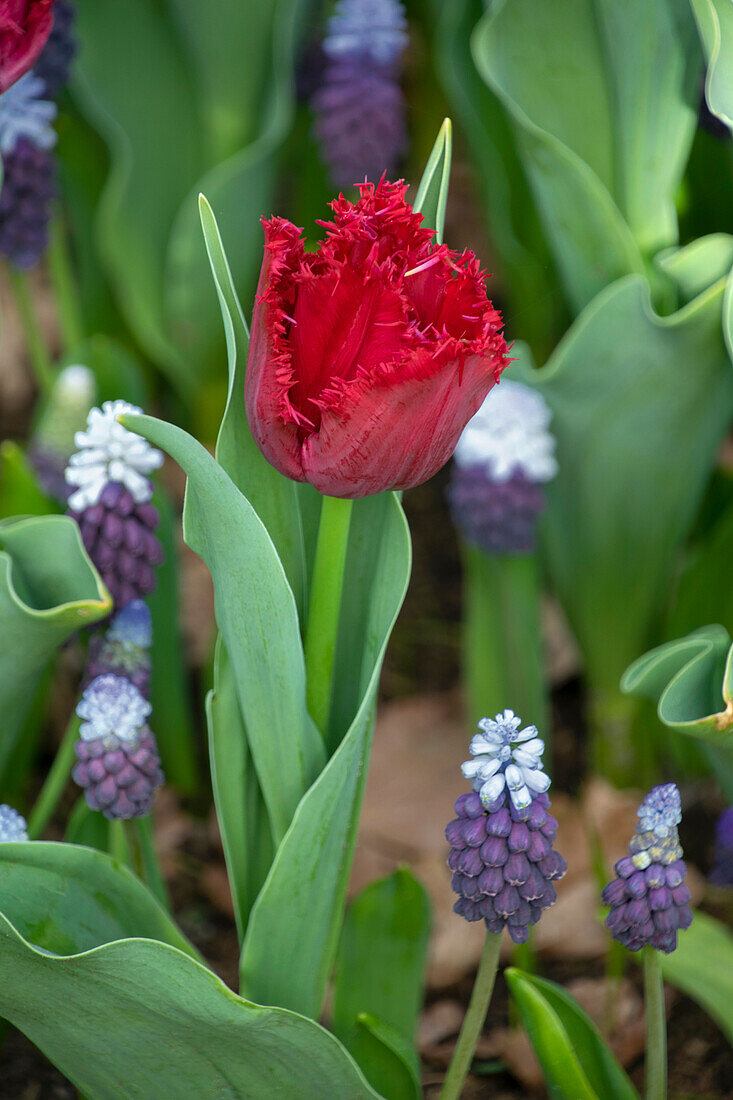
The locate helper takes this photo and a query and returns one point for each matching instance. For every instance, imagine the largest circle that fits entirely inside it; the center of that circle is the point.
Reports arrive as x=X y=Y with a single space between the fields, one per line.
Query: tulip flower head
x=648 y=897
x=13 y=826
x=502 y=854
x=502 y=460
x=369 y=355
x=24 y=29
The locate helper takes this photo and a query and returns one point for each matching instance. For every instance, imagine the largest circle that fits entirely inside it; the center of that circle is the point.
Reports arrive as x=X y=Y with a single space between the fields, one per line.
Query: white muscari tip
x=13 y=826
x=112 y=706
x=506 y=756
x=661 y=811
x=132 y=625
x=24 y=113
x=109 y=452
x=76 y=384
x=510 y=435
x=373 y=28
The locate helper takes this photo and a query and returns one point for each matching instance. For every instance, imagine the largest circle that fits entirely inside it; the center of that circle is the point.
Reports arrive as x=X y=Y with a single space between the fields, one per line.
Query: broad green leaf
x=432 y=194
x=380 y=967
x=48 y=591
x=272 y=496
x=20 y=494
x=576 y=1062
x=581 y=83
x=133 y=1012
x=66 y=899
x=257 y=617
x=293 y=931
x=240 y=808
x=696 y=266
x=701 y=597
x=386 y=1058
x=640 y=404
x=691 y=680
x=715 y=24
x=702 y=967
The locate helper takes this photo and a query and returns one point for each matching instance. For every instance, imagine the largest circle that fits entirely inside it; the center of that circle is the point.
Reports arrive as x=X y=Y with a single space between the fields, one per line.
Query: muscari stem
x=68 y=308
x=325 y=606
x=56 y=781
x=473 y=1020
x=149 y=859
x=119 y=847
x=656 y=1026
x=37 y=350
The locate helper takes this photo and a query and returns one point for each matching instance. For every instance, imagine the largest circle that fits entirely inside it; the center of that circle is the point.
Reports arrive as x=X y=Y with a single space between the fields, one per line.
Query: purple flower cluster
x=124 y=648
x=27 y=113
x=722 y=872
x=498 y=516
x=501 y=842
x=648 y=897
x=360 y=108
x=118 y=766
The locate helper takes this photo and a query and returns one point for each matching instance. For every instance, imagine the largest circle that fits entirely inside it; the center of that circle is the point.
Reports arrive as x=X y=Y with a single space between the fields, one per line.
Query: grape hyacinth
x=118 y=766
x=13 y=826
x=501 y=842
x=111 y=502
x=54 y=65
x=722 y=872
x=73 y=394
x=648 y=897
x=504 y=456
x=360 y=109
x=123 y=649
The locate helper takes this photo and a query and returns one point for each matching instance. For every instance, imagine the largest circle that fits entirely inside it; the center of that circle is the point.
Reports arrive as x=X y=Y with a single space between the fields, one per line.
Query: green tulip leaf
x=691 y=681
x=130 y=1013
x=257 y=617
x=386 y=1058
x=432 y=193
x=380 y=968
x=576 y=1062
x=293 y=931
x=702 y=967
x=20 y=494
x=66 y=899
x=48 y=591
x=715 y=24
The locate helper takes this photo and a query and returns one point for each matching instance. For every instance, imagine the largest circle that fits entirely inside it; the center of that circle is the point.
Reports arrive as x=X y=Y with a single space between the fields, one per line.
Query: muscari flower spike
x=118 y=766
x=26 y=112
x=123 y=649
x=13 y=826
x=73 y=394
x=54 y=65
x=648 y=898
x=111 y=502
x=360 y=108
x=502 y=854
x=722 y=872
x=502 y=460
x=28 y=188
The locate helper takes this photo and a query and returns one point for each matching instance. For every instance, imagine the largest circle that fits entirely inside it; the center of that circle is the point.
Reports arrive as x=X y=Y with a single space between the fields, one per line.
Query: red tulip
x=369 y=355
x=24 y=27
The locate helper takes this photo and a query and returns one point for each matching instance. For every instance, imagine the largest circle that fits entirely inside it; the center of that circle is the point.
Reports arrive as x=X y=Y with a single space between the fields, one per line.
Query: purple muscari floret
x=501 y=852
x=498 y=517
x=722 y=872
x=118 y=766
x=360 y=109
x=13 y=825
x=28 y=189
x=124 y=648
x=119 y=536
x=54 y=64
x=648 y=898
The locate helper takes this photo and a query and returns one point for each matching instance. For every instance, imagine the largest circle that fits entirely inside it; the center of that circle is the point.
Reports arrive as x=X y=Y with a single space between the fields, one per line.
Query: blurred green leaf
x=65 y=899
x=691 y=680
x=87 y=828
x=48 y=591
x=257 y=617
x=576 y=1062
x=715 y=24
x=293 y=931
x=702 y=967
x=173 y=1023
x=20 y=494
x=432 y=194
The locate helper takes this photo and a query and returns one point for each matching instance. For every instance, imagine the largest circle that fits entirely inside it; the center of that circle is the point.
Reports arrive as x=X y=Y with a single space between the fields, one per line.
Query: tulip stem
x=474 y=1019
x=325 y=607
x=149 y=859
x=56 y=781
x=656 y=1026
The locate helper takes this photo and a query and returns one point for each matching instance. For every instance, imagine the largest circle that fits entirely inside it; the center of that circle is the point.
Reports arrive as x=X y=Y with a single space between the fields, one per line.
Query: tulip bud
x=24 y=29
x=501 y=852
x=648 y=897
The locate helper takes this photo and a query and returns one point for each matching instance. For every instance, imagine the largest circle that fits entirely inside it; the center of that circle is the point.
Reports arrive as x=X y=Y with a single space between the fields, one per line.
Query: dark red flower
x=24 y=27
x=369 y=355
